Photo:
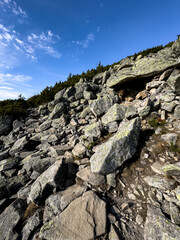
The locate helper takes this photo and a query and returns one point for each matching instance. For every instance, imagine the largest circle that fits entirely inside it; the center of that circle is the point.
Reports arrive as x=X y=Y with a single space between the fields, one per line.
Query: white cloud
x=98 y=29
x=11 y=86
x=13 y=7
x=10 y=42
x=85 y=43
x=44 y=41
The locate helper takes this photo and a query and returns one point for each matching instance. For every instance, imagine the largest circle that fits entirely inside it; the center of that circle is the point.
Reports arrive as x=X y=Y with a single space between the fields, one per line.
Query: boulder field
x=101 y=161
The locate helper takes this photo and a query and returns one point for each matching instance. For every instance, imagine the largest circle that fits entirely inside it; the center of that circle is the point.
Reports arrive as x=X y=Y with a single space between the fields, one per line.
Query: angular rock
x=47 y=181
x=117 y=149
x=56 y=203
x=115 y=113
x=172 y=169
x=79 y=150
x=18 y=145
x=101 y=105
x=157 y=226
x=8 y=163
x=160 y=182
x=177 y=112
x=174 y=81
x=171 y=138
x=5 y=124
x=168 y=106
x=32 y=224
x=70 y=91
x=94 y=130
x=130 y=111
x=59 y=94
x=174 y=213
x=144 y=111
x=45 y=125
x=89 y=95
x=90 y=178
x=112 y=127
x=4 y=154
x=57 y=111
x=83 y=219
x=10 y=218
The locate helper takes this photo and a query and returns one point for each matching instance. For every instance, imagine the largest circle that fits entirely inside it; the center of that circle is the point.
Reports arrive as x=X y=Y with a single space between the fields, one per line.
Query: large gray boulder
x=47 y=181
x=93 y=130
x=10 y=218
x=83 y=219
x=57 y=111
x=174 y=81
x=5 y=124
x=18 y=145
x=56 y=203
x=145 y=67
x=158 y=227
x=115 y=113
x=119 y=148
x=101 y=105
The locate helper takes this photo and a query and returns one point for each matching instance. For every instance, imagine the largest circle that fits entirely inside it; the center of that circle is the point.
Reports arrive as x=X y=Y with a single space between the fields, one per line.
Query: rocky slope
x=101 y=161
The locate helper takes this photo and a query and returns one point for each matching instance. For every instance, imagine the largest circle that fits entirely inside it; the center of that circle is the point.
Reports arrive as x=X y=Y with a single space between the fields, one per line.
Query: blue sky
x=42 y=41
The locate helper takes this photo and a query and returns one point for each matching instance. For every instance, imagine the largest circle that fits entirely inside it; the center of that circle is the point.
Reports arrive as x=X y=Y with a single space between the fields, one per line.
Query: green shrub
x=156 y=122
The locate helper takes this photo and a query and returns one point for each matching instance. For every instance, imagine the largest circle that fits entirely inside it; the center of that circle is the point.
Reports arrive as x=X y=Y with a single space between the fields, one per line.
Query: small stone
x=79 y=150
x=111 y=179
x=139 y=219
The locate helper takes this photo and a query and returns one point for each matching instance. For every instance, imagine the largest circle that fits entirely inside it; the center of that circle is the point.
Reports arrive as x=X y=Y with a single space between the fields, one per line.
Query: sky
x=43 y=41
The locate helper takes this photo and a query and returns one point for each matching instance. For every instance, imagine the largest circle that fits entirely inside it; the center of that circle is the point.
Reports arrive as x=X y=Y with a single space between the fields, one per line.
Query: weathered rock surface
x=51 y=178
x=117 y=149
x=115 y=113
x=84 y=218
x=145 y=67
x=157 y=226
x=10 y=218
x=56 y=203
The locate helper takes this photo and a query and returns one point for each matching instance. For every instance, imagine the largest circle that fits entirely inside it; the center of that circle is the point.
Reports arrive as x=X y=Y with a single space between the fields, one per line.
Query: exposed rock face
x=84 y=218
x=144 y=67
x=117 y=149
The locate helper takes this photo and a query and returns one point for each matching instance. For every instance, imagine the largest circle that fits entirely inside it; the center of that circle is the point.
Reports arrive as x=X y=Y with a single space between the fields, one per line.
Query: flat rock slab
x=56 y=203
x=47 y=181
x=159 y=182
x=83 y=219
x=157 y=226
x=119 y=148
x=145 y=67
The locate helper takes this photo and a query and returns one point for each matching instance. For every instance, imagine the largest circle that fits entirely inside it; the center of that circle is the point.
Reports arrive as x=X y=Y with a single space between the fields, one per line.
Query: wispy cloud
x=44 y=41
x=85 y=43
x=13 y=8
x=29 y=45
x=11 y=86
